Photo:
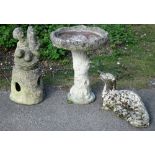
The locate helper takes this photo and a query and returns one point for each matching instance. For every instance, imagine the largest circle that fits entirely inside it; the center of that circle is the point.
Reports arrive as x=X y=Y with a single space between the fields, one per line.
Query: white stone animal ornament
x=126 y=104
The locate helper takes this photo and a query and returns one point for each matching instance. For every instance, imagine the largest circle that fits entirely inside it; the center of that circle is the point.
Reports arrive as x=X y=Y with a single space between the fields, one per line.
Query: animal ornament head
x=107 y=77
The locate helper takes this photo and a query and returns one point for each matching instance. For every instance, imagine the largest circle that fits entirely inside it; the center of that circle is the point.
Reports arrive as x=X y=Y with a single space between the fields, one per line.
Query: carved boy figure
x=26 y=84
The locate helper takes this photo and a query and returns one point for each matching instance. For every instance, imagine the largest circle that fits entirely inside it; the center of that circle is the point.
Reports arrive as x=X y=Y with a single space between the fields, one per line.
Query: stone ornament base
x=80 y=92
x=26 y=86
x=74 y=97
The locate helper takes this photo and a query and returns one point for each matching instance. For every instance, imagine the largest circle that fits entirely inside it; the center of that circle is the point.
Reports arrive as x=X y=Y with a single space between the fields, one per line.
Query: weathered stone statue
x=26 y=84
x=126 y=104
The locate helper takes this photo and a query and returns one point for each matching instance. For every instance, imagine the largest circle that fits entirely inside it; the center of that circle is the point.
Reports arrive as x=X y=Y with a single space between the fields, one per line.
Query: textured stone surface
x=26 y=55
x=80 y=39
x=80 y=92
x=26 y=84
x=126 y=104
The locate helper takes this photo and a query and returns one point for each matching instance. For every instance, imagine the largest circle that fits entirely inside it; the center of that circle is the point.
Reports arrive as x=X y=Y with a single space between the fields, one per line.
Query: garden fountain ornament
x=26 y=84
x=126 y=104
x=79 y=40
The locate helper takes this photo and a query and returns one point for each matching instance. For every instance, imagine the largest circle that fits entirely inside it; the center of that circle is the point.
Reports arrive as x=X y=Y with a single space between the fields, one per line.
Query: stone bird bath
x=79 y=40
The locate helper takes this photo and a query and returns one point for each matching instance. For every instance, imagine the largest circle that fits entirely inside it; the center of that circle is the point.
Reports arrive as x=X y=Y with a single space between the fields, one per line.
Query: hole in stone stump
x=18 y=88
x=39 y=81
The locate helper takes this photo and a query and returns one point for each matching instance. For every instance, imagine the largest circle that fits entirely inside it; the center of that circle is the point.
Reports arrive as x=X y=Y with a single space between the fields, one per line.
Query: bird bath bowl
x=79 y=40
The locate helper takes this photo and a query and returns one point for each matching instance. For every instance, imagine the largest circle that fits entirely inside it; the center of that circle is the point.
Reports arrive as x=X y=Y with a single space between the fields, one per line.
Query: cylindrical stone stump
x=26 y=86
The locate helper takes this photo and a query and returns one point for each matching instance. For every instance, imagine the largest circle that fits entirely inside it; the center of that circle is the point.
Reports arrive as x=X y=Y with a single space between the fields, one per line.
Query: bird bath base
x=80 y=93
x=74 y=97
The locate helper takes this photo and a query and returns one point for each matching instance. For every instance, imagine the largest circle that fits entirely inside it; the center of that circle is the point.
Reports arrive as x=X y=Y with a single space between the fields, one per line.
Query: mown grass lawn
x=133 y=65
